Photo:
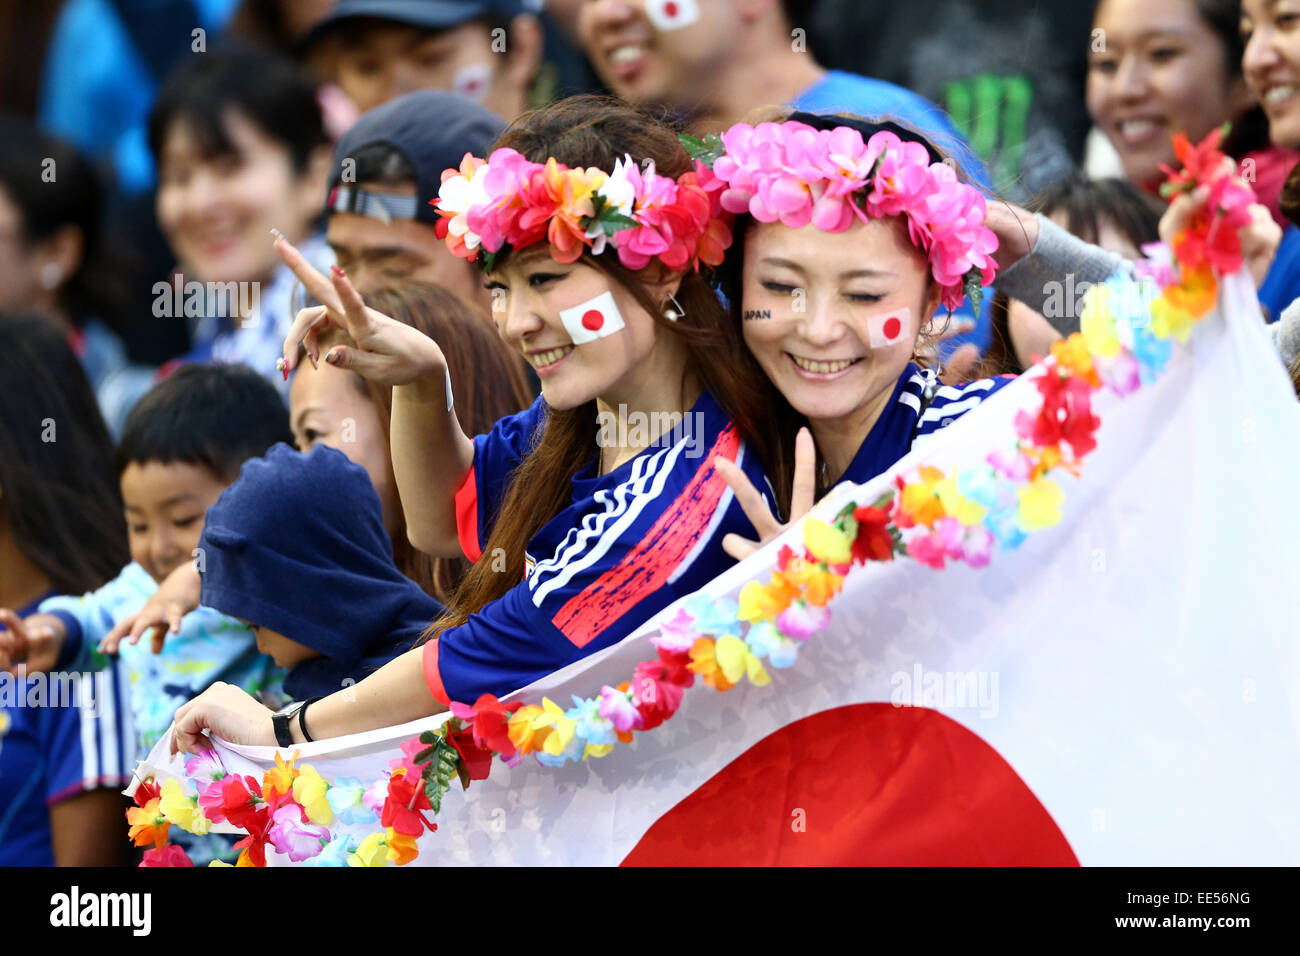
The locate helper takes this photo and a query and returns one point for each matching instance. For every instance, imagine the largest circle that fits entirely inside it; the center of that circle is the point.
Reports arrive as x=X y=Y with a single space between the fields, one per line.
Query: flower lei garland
x=932 y=516
x=795 y=174
x=506 y=201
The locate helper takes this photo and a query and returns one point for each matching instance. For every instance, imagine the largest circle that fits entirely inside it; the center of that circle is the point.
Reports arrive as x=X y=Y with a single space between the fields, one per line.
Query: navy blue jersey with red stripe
x=61 y=735
x=919 y=407
x=629 y=544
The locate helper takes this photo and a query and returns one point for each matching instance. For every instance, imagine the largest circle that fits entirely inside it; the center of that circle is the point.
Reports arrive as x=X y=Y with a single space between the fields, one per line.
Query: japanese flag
x=887 y=328
x=672 y=14
x=593 y=319
x=472 y=81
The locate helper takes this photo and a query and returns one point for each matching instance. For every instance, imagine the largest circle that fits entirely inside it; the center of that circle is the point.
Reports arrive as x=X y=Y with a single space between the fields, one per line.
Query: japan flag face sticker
x=672 y=14
x=472 y=81
x=593 y=319
x=888 y=328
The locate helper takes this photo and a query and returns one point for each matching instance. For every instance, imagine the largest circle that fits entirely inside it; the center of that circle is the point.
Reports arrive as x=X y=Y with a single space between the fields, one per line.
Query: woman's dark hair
x=1086 y=204
x=54 y=187
x=270 y=90
x=58 y=492
x=584 y=131
x=488 y=382
x=217 y=416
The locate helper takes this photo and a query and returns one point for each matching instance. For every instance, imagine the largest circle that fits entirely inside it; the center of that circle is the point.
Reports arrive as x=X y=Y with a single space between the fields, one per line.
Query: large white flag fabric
x=1123 y=688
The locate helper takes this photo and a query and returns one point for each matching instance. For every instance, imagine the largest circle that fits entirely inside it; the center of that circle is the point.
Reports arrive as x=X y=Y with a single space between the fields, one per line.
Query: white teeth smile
x=1277 y=94
x=626 y=54
x=823 y=368
x=543 y=359
x=1136 y=128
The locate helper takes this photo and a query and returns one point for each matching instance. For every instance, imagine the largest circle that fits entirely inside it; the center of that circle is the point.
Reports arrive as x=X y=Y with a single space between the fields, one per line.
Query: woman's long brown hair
x=585 y=131
x=488 y=382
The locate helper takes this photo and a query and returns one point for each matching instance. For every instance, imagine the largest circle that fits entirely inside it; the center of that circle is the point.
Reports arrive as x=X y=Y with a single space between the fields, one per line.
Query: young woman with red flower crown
x=591 y=223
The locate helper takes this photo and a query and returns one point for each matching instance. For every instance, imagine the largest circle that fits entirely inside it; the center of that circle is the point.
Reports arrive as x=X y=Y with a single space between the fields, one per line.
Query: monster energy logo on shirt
x=992 y=111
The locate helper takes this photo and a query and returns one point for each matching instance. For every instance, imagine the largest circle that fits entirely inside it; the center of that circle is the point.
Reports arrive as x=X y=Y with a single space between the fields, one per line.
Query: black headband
x=866 y=128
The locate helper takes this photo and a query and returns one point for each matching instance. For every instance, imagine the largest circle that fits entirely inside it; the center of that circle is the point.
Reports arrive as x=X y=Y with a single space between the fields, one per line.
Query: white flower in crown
x=458 y=195
x=619 y=193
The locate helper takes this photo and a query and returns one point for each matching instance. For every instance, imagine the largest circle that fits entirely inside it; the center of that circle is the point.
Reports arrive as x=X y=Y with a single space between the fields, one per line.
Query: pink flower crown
x=508 y=201
x=795 y=174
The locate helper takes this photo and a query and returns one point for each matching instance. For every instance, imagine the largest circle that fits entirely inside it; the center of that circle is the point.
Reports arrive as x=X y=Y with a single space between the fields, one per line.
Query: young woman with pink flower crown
x=850 y=236
x=591 y=223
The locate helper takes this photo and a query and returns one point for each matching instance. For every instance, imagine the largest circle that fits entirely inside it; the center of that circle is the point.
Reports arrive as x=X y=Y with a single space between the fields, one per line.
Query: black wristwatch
x=280 y=724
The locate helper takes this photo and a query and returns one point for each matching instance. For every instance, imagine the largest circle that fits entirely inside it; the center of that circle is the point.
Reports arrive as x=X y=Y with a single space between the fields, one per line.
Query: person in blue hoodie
x=296 y=548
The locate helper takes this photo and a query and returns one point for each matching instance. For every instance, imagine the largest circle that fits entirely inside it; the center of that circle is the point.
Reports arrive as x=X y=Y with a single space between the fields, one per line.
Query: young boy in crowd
x=296 y=548
x=181 y=446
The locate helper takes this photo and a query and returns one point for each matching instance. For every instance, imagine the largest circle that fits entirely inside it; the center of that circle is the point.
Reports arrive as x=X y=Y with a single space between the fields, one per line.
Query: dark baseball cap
x=427 y=14
x=433 y=129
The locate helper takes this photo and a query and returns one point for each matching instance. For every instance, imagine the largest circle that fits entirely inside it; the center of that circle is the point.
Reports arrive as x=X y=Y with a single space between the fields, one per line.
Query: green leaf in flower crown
x=973 y=286
x=884 y=501
x=707 y=150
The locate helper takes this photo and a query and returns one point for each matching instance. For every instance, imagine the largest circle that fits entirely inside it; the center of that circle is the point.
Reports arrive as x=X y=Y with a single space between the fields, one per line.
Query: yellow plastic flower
x=919 y=500
x=596 y=750
x=705 y=663
x=763 y=602
x=521 y=731
x=181 y=809
x=736 y=661
x=147 y=824
x=816 y=584
x=279 y=779
x=1097 y=323
x=957 y=505
x=309 y=790
x=221 y=863
x=1072 y=353
x=401 y=847
x=562 y=727
x=826 y=543
x=372 y=852
x=1040 y=504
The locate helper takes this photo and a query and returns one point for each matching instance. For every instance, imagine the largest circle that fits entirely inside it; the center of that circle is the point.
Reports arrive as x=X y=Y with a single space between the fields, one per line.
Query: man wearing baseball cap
x=386 y=169
x=489 y=51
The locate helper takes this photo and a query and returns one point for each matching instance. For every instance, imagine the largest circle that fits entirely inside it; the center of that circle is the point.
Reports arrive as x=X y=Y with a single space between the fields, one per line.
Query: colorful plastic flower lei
x=507 y=202
x=794 y=174
x=931 y=516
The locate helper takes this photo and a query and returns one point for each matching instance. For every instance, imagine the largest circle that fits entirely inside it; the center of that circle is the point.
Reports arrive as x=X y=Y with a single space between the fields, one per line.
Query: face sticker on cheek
x=472 y=81
x=888 y=328
x=593 y=319
x=672 y=14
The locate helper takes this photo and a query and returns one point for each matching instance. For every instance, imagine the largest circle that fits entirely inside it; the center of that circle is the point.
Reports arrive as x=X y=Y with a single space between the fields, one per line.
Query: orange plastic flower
x=704 y=662
x=919 y=502
x=525 y=737
x=1072 y=353
x=401 y=847
x=278 y=780
x=148 y=825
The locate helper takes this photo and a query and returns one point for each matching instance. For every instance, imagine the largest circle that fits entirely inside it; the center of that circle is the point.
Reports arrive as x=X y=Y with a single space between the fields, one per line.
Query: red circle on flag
x=593 y=319
x=670 y=9
x=893 y=327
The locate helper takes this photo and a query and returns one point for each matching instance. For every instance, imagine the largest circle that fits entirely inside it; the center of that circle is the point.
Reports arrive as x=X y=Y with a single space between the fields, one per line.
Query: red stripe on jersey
x=433 y=676
x=467 y=516
x=651 y=561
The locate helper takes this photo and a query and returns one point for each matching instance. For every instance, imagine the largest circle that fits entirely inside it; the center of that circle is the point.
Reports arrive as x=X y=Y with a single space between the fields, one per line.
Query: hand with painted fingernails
x=802 y=492
x=387 y=351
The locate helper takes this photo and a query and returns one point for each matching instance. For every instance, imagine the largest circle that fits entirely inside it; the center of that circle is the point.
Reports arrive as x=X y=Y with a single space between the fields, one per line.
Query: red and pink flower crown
x=508 y=201
x=796 y=174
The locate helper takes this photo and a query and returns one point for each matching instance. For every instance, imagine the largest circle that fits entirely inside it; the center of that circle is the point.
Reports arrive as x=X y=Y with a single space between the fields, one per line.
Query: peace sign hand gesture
x=387 y=351
x=802 y=491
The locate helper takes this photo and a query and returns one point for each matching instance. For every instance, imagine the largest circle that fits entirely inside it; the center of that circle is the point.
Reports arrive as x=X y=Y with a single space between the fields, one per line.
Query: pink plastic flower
x=293 y=836
x=619 y=710
x=801 y=620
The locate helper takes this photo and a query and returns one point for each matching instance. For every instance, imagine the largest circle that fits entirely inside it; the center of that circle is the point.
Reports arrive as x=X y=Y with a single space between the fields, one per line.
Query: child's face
x=165 y=505
x=285 y=652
